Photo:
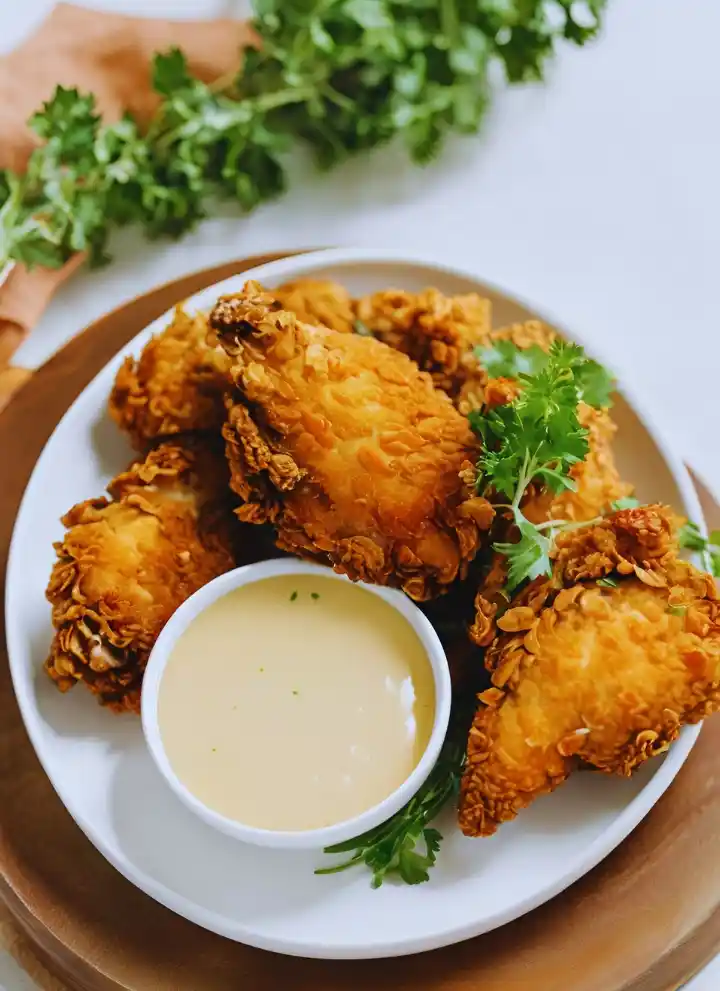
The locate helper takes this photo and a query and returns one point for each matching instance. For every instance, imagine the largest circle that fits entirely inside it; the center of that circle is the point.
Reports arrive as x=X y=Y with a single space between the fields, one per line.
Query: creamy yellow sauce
x=296 y=702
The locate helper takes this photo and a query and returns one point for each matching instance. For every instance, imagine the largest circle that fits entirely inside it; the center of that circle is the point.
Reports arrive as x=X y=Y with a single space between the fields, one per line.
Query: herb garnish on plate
x=536 y=437
x=406 y=846
x=338 y=76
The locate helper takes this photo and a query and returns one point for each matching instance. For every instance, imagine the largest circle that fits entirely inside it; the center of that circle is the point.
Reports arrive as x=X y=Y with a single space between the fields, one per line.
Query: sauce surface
x=296 y=702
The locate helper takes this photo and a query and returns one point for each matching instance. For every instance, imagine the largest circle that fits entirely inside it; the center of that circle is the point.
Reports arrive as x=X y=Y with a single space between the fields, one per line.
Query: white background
x=595 y=195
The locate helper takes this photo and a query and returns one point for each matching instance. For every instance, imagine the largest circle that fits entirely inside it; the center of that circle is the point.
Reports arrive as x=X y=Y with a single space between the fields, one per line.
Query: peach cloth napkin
x=108 y=55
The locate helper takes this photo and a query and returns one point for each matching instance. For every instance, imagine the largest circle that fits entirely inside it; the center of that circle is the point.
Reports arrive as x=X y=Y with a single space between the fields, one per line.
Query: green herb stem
x=406 y=846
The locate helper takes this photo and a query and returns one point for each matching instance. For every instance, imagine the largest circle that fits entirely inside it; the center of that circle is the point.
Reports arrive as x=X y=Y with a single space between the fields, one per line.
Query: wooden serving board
x=646 y=919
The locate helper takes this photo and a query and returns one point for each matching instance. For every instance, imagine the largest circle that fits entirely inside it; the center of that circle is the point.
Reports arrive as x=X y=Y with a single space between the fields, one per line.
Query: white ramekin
x=310 y=838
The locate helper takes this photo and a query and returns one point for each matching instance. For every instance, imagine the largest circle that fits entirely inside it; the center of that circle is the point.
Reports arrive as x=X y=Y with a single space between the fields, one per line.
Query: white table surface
x=596 y=195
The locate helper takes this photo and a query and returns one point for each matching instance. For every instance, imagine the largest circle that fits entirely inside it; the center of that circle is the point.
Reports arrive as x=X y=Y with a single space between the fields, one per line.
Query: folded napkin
x=108 y=55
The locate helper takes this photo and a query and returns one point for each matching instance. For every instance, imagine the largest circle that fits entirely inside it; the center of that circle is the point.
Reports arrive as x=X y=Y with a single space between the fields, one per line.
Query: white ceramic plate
x=102 y=772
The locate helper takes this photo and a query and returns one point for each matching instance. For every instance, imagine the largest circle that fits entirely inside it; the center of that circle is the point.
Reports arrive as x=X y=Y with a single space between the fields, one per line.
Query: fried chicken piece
x=603 y=663
x=346 y=447
x=124 y=566
x=175 y=386
x=438 y=332
x=317 y=301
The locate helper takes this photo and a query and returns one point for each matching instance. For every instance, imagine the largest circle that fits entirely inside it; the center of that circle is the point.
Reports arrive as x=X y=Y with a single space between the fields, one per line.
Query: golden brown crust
x=438 y=332
x=318 y=301
x=607 y=674
x=346 y=447
x=125 y=565
x=628 y=541
x=175 y=386
x=525 y=334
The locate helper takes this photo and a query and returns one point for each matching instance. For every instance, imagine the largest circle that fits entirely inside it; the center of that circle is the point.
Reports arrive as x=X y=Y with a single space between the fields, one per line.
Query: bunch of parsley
x=340 y=76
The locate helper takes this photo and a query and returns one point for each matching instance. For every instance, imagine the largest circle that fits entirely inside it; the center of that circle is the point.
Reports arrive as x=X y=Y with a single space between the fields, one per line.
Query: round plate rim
x=296 y=266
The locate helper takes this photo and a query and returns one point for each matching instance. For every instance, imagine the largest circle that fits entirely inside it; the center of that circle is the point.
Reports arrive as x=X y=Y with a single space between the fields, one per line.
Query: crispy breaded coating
x=178 y=382
x=438 y=332
x=525 y=334
x=126 y=564
x=603 y=663
x=175 y=386
x=318 y=301
x=348 y=449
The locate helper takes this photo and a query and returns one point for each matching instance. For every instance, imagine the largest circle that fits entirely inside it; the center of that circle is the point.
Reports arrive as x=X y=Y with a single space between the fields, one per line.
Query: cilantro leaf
x=596 y=385
x=529 y=557
x=170 y=72
x=505 y=360
x=555 y=480
x=539 y=433
x=406 y=846
x=414 y=866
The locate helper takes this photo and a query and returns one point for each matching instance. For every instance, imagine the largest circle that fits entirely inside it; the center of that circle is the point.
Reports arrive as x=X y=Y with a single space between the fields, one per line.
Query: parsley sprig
x=340 y=76
x=505 y=360
x=537 y=438
x=406 y=846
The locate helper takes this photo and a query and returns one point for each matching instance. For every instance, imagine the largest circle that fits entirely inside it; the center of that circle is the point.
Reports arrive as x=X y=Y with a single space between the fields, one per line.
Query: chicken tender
x=175 y=386
x=346 y=447
x=318 y=301
x=603 y=663
x=126 y=564
x=438 y=332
